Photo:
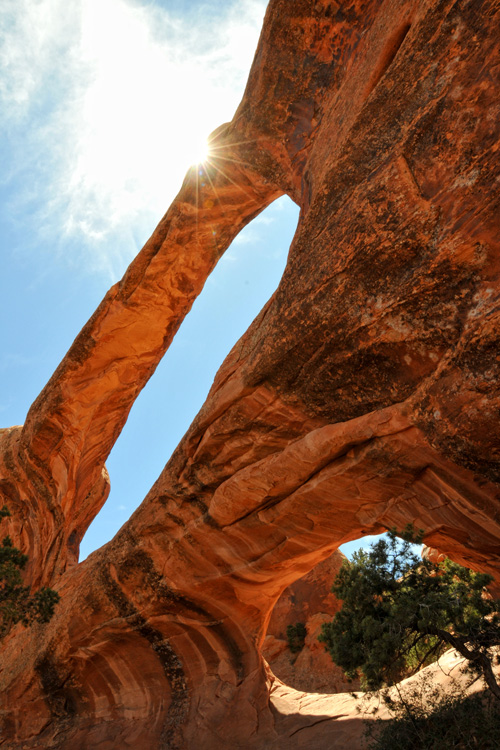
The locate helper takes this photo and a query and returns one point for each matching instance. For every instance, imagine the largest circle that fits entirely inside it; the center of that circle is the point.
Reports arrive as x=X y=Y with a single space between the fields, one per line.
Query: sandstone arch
x=364 y=395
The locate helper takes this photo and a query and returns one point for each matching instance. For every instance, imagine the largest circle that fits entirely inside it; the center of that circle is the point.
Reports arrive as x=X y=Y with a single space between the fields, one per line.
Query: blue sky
x=103 y=104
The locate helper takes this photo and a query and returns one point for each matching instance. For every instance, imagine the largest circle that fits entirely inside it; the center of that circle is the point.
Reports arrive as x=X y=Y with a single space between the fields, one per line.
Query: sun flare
x=168 y=133
x=199 y=151
x=128 y=112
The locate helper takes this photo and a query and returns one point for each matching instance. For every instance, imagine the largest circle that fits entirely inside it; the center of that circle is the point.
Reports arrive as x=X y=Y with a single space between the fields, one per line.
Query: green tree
x=17 y=604
x=400 y=612
x=296 y=636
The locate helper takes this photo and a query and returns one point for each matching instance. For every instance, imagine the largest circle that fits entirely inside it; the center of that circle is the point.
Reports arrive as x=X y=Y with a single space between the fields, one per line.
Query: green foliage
x=16 y=602
x=400 y=612
x=425 y=716
x=296 y=636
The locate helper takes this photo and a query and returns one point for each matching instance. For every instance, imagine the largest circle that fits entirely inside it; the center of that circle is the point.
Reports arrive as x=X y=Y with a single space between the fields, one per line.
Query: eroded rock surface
x=364 y=395
x=308 y=601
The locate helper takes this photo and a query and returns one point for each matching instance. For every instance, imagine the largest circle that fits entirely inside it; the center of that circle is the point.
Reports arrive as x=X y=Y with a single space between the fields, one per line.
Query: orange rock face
x=365 y=395
x=310 y=602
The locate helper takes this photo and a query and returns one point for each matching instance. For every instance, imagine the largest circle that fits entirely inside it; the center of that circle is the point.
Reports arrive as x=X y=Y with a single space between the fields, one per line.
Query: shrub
x=426 y=716
x=17 y=604
x=296 y=636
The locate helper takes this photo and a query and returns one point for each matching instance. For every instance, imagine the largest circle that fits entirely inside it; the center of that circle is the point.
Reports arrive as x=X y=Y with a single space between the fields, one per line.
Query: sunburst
x=199 y=150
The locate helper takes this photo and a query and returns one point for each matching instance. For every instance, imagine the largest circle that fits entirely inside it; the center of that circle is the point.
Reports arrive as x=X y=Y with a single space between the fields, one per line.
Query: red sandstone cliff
x=364 y=395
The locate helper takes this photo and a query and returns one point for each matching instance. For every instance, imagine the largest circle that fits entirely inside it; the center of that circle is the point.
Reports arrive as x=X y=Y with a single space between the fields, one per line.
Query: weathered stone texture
x=364 y=395
x=308 y=601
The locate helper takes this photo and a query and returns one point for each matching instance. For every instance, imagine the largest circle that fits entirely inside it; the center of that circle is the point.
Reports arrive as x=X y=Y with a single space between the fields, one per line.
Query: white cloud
x=103 y=103
x=34 y=39
x=247 y=236
x=264 y=219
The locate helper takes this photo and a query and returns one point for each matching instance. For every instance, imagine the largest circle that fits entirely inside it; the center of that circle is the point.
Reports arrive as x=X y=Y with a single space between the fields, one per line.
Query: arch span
x=364 y=395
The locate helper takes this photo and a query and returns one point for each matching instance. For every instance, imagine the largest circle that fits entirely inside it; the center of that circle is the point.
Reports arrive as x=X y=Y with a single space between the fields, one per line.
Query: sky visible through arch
x=103 y=104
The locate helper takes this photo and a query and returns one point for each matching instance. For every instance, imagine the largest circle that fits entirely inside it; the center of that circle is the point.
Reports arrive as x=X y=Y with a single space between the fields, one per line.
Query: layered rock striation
x=364 y=395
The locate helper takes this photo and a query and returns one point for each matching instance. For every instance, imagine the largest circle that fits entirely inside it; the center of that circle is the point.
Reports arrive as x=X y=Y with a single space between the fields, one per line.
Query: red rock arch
x=364 y=395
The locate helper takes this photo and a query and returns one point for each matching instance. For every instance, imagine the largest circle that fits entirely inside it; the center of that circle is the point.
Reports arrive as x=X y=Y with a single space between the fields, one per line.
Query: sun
x=134 y=146
x=199 y=151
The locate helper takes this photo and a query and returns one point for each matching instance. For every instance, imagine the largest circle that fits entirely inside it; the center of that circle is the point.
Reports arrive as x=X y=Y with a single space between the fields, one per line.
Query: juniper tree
x=400 y=612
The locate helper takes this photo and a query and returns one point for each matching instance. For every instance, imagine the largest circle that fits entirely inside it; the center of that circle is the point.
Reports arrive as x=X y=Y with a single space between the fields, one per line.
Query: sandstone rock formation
x=348 y=708
x=364 y=395
x=308 y=601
